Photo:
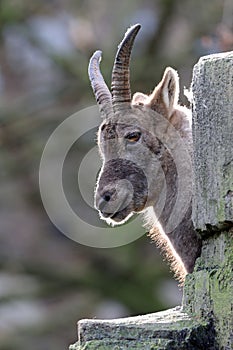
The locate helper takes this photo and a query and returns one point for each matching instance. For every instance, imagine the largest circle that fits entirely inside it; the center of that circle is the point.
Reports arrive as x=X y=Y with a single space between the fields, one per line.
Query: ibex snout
x=118 y=194
x=112 y=201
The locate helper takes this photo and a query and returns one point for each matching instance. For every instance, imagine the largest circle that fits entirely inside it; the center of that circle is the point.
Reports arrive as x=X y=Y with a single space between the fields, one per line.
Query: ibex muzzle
x=122 y=189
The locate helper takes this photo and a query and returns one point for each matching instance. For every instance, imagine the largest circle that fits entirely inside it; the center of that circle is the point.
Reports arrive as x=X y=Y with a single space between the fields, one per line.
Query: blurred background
x=47 y=281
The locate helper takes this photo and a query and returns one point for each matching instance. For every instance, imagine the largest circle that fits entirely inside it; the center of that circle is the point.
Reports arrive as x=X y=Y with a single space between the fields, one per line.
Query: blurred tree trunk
x=167 y=11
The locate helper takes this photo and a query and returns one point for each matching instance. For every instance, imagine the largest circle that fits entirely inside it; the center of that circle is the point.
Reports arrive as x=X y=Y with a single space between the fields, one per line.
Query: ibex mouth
x=118 y=217
x=120 y=213
x=115 y=217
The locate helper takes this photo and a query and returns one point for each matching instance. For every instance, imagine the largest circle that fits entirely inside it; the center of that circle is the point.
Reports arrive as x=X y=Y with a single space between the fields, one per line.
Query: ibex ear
x=165 y=96
x=139 y=99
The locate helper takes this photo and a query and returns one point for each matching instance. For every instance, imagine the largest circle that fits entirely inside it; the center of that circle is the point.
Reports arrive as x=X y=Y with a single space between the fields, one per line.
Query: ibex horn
x=100 y=89
x=121 y=92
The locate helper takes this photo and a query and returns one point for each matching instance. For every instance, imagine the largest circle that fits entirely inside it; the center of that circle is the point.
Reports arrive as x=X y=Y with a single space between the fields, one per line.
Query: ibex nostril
x=105 y=199
x=107 y=196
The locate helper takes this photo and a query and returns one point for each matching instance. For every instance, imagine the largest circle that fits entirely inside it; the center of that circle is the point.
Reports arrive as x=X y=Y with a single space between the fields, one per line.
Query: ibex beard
x=136 y=141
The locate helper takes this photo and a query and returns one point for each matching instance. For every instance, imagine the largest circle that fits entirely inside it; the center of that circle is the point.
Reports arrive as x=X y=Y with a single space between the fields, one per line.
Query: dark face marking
x=118 y=202
x=108 y=131
x=130 y=133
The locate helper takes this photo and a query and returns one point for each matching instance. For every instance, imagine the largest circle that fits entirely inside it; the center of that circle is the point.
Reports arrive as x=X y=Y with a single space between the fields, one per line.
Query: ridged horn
x=100 y=88
x=121 y=92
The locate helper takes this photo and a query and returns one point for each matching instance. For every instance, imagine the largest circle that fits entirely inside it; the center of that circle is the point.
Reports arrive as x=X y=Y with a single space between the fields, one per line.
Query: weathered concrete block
x=212 y=88
x=171 y=329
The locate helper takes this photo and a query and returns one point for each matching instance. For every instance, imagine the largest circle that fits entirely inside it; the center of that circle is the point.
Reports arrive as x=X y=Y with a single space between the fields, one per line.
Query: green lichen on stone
x=169 y=330
x=221 y=293
x=209 y=290
x=197 y=336
x=122 y=345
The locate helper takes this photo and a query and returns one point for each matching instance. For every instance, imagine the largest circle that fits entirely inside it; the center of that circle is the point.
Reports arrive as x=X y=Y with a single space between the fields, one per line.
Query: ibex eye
x=133 y=136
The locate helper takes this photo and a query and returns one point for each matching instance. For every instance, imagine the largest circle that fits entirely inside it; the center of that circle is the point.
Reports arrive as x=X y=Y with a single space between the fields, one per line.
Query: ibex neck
x=171 y=178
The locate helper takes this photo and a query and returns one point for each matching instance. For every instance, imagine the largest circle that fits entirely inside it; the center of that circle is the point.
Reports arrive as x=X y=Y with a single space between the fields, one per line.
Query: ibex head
x=132 y=136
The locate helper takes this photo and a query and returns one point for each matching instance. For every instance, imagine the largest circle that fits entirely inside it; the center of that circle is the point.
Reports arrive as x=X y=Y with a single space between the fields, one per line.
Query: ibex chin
x=137 y=140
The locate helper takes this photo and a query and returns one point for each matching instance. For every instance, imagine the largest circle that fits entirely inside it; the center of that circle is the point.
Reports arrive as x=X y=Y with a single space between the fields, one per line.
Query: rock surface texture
x=205 y=320
x=212 y=88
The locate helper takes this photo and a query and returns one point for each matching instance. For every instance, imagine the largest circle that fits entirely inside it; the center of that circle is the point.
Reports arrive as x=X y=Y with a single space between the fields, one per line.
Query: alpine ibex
x=137 y=140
